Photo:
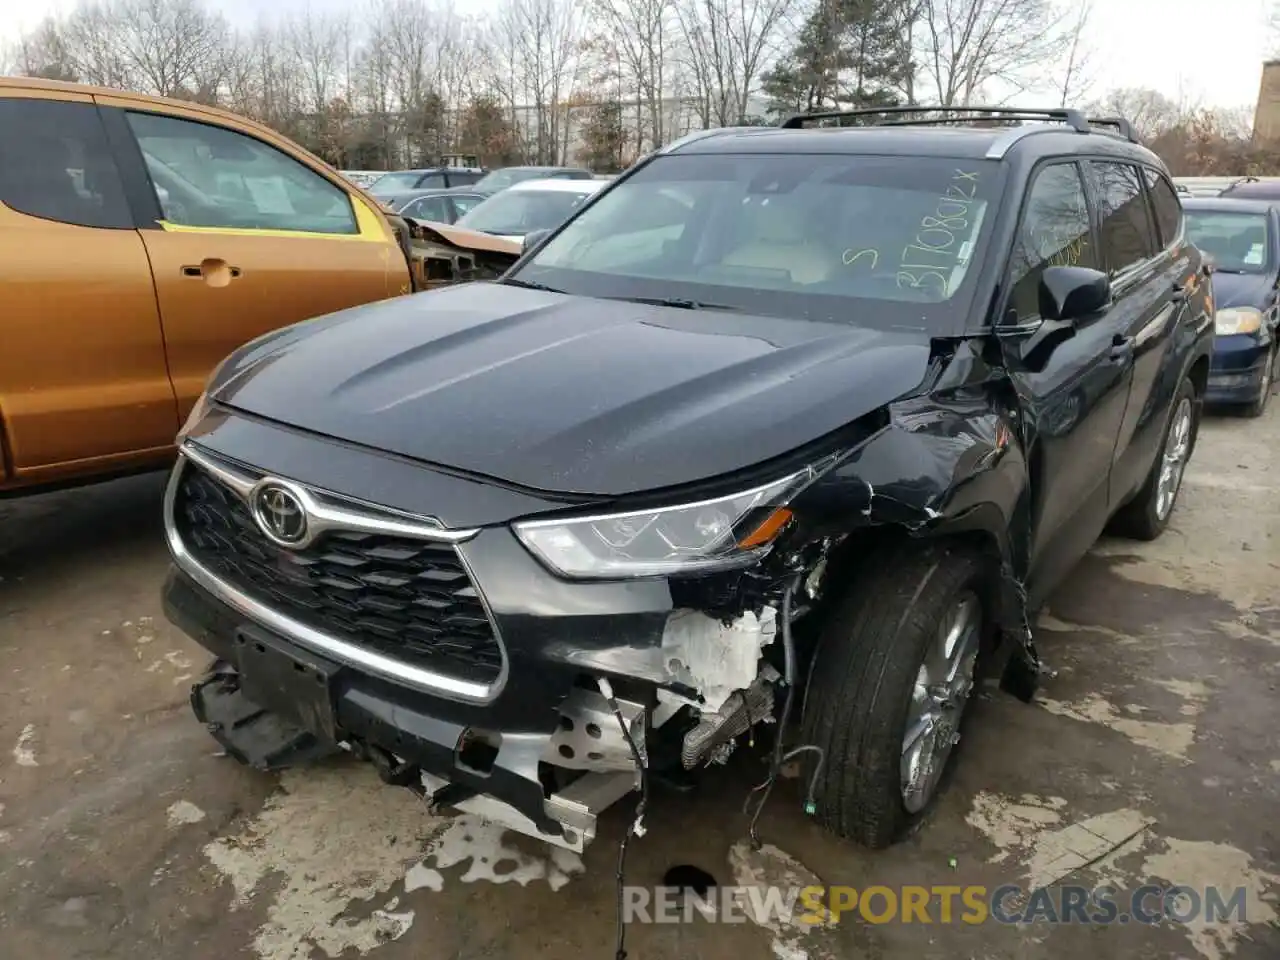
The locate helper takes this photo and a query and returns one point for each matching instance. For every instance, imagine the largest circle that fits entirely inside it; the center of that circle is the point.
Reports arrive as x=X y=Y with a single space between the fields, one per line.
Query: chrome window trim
x=345 y=652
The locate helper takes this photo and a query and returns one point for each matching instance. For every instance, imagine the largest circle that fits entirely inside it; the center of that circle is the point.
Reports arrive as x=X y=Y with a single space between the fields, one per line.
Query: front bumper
x=398 y=728
x=1237 y=368
x=540 y=713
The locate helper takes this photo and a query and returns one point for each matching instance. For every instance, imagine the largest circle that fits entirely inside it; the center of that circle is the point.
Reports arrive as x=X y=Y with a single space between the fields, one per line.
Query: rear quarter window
x=56 y=164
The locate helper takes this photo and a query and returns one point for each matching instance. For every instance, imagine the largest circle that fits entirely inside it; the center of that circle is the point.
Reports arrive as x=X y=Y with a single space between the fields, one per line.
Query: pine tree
x=849 y=54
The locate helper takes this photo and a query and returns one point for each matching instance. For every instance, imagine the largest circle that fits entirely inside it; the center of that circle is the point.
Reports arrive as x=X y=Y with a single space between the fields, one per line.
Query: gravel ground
x=123 y=836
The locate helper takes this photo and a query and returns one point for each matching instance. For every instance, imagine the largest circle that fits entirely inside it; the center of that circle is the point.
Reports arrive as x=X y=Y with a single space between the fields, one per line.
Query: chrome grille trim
x=337 y=515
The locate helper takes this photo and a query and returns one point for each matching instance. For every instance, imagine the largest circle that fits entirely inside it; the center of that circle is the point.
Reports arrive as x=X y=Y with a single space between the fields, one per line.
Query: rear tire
x=881 y=666
x=1146 y=516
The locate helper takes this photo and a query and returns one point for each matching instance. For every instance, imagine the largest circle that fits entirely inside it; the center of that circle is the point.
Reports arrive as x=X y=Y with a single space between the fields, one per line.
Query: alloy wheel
x=942 y=688
x=1173 y=462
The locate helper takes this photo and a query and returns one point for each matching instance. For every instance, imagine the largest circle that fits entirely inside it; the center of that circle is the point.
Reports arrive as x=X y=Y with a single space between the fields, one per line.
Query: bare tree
x=967 y=44
x=173 y=47
x=1150 y=111
x=538 y=44
x=1076 y=76
x=644 y=34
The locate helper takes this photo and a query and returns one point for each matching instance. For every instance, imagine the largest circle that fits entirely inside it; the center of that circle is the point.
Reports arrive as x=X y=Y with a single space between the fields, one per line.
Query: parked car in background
x=505 y=177
x=1242 y=240
x=438 y=206
x=400 y=182
x=142 y=240
x=1253 y=188
x=529 y=206
x=362 y=178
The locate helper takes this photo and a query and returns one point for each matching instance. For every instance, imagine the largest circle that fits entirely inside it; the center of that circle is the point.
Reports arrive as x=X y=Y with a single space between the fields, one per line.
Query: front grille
x=409 y=599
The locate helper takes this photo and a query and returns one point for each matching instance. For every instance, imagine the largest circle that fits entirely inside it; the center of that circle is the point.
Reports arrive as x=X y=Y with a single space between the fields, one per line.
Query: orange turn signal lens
x=766 y=532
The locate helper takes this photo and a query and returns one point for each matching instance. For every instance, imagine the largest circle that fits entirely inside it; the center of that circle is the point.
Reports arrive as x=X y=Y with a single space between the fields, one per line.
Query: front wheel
x=889 y=685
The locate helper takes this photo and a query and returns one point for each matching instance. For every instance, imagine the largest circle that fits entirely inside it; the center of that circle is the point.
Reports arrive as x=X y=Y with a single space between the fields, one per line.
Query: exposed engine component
x=740 y=712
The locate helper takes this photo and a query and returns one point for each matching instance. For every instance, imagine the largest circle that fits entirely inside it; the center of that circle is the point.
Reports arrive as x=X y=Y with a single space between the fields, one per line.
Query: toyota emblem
x=280 y=514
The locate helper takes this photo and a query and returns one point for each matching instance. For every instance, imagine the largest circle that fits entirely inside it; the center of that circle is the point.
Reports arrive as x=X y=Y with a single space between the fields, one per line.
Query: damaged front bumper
x=453 y=660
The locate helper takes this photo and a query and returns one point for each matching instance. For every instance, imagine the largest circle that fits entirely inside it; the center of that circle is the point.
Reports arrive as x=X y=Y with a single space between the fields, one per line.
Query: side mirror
x=532 y=239
x=1070 y=293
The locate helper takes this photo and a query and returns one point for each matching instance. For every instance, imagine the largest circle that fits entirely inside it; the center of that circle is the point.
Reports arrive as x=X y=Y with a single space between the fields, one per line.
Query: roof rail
x=919 y=116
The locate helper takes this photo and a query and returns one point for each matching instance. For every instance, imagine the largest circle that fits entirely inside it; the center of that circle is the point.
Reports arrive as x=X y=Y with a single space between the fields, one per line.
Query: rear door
x=246 y=237
x=1146 y=272
x=83 y=382
x=1075 y=397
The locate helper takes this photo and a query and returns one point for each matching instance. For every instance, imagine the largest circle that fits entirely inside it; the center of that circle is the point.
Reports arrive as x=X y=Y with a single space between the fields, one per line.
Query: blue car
x=1242 y=240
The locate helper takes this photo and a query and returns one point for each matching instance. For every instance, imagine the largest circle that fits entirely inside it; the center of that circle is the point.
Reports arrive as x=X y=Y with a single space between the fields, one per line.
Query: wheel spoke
x=943 y=684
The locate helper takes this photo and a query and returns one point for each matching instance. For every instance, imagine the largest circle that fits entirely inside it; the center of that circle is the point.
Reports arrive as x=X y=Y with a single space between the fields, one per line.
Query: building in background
x=1266 y=115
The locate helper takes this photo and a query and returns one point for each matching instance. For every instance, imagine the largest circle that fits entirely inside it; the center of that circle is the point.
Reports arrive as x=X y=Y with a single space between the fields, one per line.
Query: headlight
x=710 y=535
x=1238 y=320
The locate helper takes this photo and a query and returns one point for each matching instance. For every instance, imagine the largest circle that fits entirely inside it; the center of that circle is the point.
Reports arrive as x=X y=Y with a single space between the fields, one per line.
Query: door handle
x=214 y=272
x=1121 y=347
x=1180 y=292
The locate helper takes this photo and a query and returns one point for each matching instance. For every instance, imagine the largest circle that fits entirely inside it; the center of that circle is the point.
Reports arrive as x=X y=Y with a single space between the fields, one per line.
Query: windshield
x=501 y=179
x=390 y=183
x=1235 y=242
x=880 y=241
x=517 y=212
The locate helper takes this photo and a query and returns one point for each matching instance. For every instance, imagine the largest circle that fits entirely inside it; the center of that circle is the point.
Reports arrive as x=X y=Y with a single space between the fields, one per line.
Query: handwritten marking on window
x=851 y=256
x=937 y=246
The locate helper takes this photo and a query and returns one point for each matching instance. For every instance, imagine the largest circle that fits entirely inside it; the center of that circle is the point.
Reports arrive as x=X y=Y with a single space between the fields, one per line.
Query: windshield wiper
x=680 y=303
x=530 y=285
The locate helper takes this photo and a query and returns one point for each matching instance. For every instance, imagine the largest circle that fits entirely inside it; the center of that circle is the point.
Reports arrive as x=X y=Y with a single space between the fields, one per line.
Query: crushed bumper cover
x=270 y=703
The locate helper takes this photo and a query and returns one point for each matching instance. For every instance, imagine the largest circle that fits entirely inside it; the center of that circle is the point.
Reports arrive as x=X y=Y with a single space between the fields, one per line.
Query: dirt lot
x=124 y=836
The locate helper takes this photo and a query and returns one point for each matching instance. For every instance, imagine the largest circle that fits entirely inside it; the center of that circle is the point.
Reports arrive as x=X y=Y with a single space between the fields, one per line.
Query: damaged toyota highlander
x=792 y=427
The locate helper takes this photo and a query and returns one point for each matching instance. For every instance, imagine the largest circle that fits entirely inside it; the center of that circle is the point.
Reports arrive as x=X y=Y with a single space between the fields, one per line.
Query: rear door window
x=55 y=163
x=208 y=176
x=1128 y=235
x=463 y=202
x=1165 y=204
x=431 y=181
x=429 y=208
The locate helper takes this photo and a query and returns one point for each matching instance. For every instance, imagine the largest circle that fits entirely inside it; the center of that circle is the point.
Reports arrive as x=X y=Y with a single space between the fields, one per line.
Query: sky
x=1202 y=53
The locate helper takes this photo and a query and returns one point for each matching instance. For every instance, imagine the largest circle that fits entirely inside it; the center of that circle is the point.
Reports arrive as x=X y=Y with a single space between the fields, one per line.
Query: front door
x=1074 y=400
x=248 y=239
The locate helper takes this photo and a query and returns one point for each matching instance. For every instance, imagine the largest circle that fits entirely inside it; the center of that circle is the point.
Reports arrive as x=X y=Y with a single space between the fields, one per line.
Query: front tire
x=889 y=685
x=1146 y=516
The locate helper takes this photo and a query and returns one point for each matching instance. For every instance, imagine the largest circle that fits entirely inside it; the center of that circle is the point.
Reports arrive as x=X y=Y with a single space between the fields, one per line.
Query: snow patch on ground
x=24 y=753
x=481 y=845
x=758 y=872
x=1227 y=868
x=184 y=812
x=333 y=838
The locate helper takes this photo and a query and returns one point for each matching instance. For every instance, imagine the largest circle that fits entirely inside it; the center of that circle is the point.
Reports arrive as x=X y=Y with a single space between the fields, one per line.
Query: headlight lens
x=1238 y=320
x=713 y=534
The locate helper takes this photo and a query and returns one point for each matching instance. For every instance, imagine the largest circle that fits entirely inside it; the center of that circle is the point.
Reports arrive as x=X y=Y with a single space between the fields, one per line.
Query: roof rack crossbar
x=1072 y=118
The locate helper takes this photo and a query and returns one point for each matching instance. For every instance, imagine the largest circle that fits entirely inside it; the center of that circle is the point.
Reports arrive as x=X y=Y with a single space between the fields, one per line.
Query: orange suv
x=141 y=241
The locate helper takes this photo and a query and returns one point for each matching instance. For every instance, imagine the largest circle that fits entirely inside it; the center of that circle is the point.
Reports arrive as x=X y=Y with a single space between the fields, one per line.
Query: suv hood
x=572 y=394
